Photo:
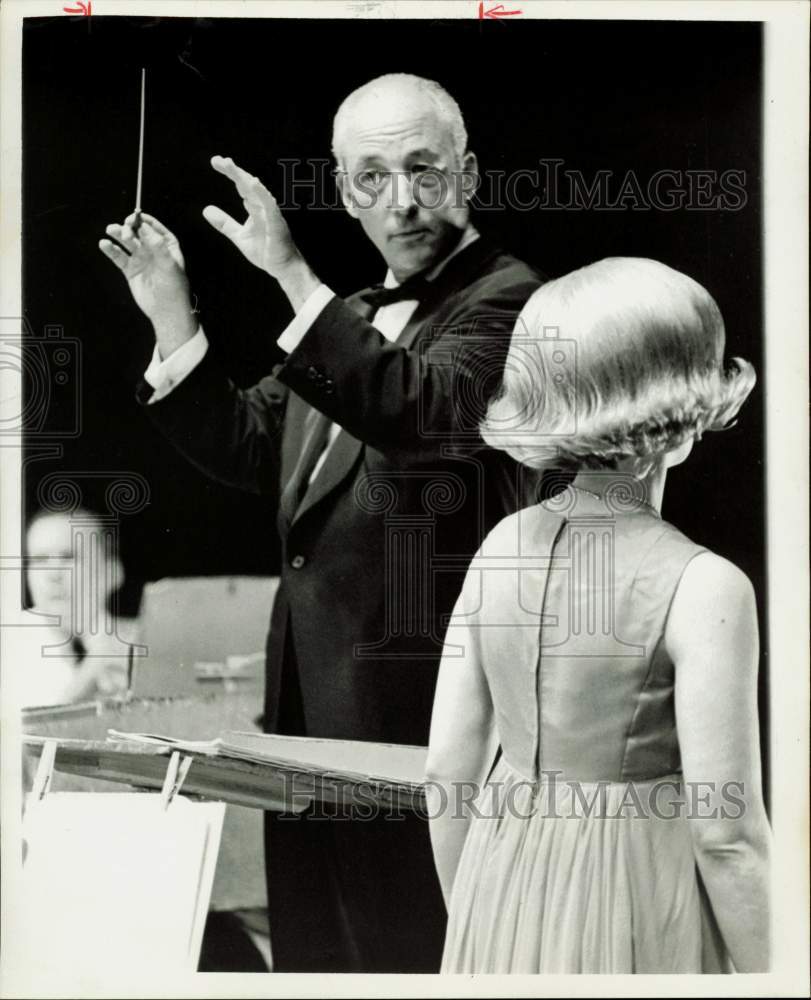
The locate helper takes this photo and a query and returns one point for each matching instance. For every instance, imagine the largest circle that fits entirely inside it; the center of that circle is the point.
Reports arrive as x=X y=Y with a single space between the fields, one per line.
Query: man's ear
x=345 y=190
x=470 y=175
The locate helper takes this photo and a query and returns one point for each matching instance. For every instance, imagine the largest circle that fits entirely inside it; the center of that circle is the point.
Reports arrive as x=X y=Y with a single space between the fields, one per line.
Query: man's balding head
x=386 y=96
x=404 y=169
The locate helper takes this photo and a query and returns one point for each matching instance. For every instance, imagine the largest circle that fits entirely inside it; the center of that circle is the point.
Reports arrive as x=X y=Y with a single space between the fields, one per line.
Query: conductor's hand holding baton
x=151 y=260
x=153 y=265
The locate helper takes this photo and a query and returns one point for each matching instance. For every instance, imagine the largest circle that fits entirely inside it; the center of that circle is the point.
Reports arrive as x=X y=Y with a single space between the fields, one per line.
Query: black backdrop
x=602 y=95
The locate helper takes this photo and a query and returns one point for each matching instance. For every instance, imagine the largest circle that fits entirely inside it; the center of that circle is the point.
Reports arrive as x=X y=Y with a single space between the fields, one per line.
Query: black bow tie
x=413 y=288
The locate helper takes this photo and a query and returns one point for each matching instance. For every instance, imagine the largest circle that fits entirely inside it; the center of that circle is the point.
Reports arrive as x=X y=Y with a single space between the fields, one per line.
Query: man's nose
x=57 y=568
x=402 y=194
x=55 y=576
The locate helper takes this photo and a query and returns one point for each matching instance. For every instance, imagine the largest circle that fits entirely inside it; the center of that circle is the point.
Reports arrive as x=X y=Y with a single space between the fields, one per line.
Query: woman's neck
x=598 y=481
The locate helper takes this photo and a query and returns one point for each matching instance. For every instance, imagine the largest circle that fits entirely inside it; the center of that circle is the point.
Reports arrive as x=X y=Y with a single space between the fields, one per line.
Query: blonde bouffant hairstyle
x=622 y=359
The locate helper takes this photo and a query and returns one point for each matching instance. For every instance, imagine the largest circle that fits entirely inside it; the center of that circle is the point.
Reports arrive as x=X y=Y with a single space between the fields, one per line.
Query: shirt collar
x=469 y=236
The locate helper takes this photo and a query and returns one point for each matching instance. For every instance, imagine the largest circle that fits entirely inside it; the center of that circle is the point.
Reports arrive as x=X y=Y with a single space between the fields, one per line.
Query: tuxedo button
x=329 y=386
x=297 y=562
x=313 y=374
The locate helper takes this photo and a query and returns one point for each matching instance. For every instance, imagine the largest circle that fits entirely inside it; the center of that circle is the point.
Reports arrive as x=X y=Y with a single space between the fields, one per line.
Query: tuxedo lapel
x=340 y=457
x=458 y=272
x=339 y=462
x=345 y=449
x=312 y=442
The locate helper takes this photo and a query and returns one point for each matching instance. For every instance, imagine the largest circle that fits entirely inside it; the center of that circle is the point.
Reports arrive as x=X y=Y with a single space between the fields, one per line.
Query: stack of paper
x=386 y=763
x=115 y=882
x=283 y=773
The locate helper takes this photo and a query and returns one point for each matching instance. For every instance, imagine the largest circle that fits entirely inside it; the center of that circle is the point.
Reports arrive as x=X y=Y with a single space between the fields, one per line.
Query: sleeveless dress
x=578 y=858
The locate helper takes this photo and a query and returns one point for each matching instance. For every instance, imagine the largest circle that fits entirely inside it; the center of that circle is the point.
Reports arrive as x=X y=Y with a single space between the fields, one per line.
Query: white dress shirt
x=390 y=320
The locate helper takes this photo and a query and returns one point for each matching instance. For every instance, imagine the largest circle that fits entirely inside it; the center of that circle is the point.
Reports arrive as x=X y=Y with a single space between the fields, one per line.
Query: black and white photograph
x=404 y=554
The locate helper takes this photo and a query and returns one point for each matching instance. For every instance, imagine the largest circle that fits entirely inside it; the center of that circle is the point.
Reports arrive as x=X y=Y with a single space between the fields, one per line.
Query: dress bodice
x=568 y=614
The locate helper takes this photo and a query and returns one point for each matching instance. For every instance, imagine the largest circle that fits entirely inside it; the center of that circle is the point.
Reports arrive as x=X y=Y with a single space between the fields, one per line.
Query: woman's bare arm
x=462 y=744
x=713 y=639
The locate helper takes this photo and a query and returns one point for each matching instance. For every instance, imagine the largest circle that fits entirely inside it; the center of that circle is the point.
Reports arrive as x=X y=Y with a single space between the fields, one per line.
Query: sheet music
x=351 y=759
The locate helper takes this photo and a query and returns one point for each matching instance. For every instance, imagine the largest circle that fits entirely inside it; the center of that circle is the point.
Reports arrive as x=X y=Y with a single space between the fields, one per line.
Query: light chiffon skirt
x=544 y=887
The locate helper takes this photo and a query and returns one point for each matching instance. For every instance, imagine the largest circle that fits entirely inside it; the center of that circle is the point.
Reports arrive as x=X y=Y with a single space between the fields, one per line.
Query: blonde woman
x=594 y=767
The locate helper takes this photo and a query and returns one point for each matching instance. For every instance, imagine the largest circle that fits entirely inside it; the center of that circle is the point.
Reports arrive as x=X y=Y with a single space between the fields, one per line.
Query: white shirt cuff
x=294 y=332
x=163 y=376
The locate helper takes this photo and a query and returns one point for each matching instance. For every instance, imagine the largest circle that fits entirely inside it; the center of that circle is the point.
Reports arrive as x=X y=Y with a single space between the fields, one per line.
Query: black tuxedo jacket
x=375 y=549
x=376 y=546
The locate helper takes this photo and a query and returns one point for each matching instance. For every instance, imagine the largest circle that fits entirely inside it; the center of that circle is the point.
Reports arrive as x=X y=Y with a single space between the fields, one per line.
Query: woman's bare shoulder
x=712 y=593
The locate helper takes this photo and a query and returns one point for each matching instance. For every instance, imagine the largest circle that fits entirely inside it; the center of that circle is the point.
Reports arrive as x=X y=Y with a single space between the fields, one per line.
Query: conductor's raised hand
x=153 y=265
x=264 y=237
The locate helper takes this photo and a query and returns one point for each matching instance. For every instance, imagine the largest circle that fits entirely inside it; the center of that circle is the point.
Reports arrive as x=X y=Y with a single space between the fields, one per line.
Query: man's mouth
x=409 y=235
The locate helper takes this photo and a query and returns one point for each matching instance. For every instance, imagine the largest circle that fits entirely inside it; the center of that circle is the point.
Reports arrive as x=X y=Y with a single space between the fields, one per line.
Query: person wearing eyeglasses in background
x=69 y=651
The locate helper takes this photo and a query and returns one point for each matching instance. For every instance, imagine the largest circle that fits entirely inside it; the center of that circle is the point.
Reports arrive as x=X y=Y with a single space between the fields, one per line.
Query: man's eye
x=371 y=178
x=425 y=174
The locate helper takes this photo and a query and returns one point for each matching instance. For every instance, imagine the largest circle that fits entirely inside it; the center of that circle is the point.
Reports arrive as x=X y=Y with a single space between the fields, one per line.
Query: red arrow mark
x=83 y=8
x=496 y=12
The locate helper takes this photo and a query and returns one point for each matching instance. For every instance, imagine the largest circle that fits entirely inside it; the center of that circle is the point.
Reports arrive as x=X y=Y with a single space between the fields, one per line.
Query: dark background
x=599 y=95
